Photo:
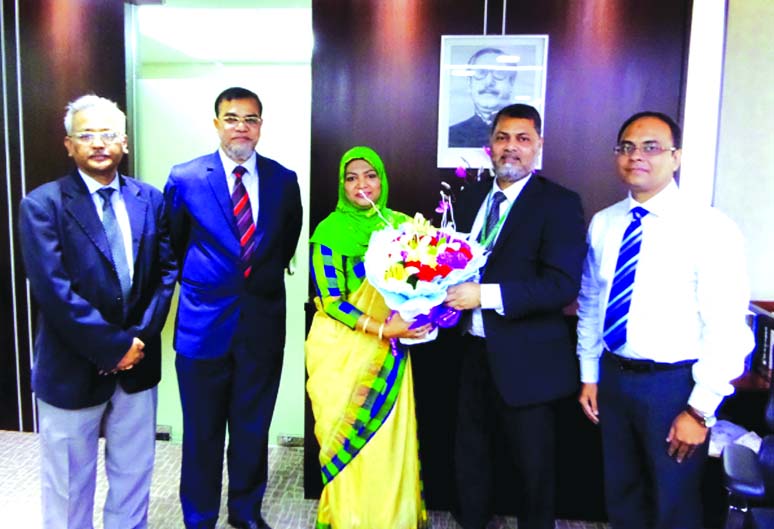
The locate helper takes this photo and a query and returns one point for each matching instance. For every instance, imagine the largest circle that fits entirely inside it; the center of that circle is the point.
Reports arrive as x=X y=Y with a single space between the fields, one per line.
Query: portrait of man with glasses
x=491 y=81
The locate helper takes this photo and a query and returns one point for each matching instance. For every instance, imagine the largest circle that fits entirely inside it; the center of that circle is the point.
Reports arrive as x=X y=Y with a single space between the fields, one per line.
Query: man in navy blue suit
x=235 y=219
x=517 y=350
x=101 y=270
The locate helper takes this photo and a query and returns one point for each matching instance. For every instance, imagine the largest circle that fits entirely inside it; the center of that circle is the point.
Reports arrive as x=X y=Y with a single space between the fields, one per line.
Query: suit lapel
x=216 y=177
x=80 y=206
x=136 y=207
x=523 y=207
x=267 y=201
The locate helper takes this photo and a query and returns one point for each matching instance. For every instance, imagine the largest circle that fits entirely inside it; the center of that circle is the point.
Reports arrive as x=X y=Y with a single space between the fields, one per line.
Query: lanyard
x=486 y=239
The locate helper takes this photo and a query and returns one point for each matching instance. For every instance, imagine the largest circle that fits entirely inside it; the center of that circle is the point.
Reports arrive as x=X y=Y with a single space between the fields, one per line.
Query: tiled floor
x=284 y=505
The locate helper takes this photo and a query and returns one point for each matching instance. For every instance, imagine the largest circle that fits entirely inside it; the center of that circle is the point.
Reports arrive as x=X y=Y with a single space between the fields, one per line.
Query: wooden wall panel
x=9 y=406
x=375 y=81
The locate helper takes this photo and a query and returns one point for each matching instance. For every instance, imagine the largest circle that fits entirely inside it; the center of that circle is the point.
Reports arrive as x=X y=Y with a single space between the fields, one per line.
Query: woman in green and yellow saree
x=360 y=381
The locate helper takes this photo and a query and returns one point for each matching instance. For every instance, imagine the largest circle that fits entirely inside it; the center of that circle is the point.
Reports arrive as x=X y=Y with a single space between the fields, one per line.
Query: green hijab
x=348 y=228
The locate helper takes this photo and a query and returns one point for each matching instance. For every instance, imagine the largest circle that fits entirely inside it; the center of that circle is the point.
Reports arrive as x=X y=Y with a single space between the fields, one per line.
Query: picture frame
x=478 y=76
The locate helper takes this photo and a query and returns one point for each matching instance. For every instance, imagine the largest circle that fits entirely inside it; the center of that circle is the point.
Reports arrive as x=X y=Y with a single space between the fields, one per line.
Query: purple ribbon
x=439 y=316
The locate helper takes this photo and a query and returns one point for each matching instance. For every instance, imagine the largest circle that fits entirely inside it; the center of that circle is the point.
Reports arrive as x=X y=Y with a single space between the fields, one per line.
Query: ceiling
x=231 y=31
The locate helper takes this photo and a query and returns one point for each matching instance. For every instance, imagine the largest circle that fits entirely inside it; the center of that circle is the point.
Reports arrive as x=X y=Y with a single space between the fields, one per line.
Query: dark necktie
x=116 y=240
x=244 y=219
x=492 y=218
x=617 y=313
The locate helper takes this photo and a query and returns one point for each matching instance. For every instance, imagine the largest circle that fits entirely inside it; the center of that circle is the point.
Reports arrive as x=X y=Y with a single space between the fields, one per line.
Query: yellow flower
x=396 y=271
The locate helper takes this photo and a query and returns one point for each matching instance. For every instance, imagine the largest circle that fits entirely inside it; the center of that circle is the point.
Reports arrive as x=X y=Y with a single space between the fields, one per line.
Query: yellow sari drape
x=369 y=455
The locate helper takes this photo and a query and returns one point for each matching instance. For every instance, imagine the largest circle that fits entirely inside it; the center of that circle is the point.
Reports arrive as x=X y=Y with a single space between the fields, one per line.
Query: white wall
x=744 y=182
x=703 y=100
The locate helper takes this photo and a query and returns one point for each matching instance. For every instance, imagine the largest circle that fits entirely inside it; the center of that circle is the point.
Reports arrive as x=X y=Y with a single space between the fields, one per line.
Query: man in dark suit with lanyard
x=235 y=218
x=518 y=357
x=96 y=251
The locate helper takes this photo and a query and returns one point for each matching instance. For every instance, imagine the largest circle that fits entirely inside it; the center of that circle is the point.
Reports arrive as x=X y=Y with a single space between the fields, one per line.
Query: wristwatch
x=708 y=421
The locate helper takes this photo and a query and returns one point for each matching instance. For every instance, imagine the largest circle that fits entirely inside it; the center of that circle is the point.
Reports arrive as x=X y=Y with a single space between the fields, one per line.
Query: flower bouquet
x=414 y=264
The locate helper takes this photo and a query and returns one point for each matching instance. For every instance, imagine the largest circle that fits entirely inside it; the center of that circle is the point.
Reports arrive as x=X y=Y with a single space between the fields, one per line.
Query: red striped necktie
x=243 y=214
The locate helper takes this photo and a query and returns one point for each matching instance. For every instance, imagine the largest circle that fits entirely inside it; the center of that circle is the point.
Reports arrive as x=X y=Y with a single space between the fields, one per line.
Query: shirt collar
x=512 y=191
x=93 y=186
x=229 y=164
x=661 y=203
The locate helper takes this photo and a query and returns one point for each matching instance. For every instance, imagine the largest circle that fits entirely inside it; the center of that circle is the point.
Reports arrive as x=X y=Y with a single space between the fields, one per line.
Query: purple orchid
x=452 y=259
x=443 y=206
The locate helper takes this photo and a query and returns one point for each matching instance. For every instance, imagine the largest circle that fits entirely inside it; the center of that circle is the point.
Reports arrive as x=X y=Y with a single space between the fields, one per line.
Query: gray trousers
x=69 y=441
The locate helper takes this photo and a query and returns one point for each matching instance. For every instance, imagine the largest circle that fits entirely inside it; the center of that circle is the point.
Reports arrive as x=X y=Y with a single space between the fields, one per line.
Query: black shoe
x=258 y=523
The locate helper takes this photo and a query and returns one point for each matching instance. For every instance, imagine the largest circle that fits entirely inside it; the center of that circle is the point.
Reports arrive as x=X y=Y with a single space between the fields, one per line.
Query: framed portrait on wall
x=479 y=76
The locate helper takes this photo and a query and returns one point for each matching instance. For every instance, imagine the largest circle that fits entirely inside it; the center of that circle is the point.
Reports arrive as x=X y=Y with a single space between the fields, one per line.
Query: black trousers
x=529 y=435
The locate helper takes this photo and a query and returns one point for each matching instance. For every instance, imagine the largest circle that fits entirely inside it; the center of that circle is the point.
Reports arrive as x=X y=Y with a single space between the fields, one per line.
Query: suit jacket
x=216 y=301
x=537 y=261
x=84 y=326
x=473 y=132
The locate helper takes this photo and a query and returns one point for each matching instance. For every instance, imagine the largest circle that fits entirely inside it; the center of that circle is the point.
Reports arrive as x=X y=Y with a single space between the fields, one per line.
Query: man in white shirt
x=661 y=331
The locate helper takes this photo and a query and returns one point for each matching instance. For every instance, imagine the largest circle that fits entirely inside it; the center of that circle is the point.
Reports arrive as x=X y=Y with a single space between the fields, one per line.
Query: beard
x=511 y=173
x=239 y=152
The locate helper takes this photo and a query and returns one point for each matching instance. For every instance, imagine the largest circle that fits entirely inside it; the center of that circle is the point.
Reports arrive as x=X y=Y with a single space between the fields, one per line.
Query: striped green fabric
x=334 y=278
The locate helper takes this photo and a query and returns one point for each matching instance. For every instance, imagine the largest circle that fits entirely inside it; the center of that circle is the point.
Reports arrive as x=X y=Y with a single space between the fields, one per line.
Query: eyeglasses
x=649 y=148
x=231 y=121
x=497 y=75
x=107 y=137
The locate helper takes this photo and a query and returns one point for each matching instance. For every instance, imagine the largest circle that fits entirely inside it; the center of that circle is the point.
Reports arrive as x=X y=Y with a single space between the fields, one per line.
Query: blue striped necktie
x=620 y=299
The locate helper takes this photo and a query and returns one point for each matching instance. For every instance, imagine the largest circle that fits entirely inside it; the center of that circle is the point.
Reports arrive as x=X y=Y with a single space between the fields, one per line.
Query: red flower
x=443 y=270
x=465 y=250
x=426 y=273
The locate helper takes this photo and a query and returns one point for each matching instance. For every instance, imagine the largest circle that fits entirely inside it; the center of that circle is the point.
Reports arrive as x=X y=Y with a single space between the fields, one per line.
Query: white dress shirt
x=491 y=296
x=690 y=295
x=119 y=207
x=249 y=179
